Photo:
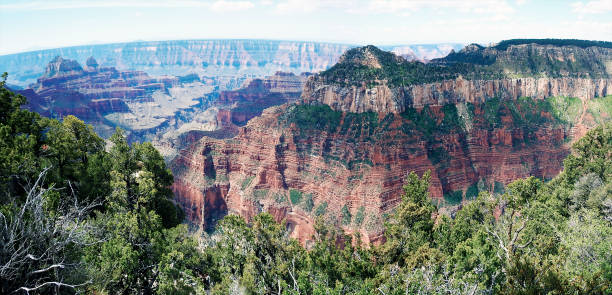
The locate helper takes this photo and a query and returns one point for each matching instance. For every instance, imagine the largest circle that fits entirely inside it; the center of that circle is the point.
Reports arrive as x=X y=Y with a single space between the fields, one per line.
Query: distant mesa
x=369 y=56
x=91 y=63
x=60 y=67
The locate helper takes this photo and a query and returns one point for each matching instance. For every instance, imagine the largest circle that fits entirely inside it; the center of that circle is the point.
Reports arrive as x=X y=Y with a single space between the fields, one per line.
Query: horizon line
x=227 y=39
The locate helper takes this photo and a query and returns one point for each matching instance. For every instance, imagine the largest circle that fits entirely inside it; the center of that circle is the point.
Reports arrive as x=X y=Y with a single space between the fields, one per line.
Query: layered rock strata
x=343 y=151
x=386 y=99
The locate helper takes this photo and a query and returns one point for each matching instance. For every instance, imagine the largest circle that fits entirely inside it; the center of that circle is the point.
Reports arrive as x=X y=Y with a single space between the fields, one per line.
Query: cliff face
x=386 y=99
x=205 y=57
x=347 y=148
x=229 y=110
x=239 y=106
x=278 y=165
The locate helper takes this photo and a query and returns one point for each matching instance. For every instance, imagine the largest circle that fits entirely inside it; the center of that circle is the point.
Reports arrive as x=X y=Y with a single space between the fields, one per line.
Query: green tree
x=20 y=143
x=411 y=225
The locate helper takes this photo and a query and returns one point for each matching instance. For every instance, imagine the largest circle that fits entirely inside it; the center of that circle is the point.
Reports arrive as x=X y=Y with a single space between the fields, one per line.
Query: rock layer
x=384 y=99
x=361 y=167
x=346 y=148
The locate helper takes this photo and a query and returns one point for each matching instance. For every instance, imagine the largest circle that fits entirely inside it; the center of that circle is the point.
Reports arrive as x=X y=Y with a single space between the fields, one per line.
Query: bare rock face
x=386 y=99
x=60 y=67
x=347 y=147
x=92 y=94
x=239 y=106
x=91 y=63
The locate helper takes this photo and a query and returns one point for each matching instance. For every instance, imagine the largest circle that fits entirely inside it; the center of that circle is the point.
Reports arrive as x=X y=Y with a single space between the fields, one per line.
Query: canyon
x=220 y=60
x=247 y=128
x=341 y=152
x=169 y=91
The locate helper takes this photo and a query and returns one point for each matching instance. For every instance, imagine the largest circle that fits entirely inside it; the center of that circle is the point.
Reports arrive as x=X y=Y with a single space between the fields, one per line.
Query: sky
x=27 y=25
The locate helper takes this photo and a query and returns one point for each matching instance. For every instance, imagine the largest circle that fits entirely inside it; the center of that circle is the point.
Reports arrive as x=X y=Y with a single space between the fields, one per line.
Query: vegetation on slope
x=503 y=45
x=536 y=238
x=371 y=66
x=77 y=218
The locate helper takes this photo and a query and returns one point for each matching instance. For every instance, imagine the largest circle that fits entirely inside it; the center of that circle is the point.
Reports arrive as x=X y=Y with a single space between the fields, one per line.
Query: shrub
x=321 y=209
x=295 y=196
x=246 y=182
x=359 y=216
x=308 y=203
x=346 y=215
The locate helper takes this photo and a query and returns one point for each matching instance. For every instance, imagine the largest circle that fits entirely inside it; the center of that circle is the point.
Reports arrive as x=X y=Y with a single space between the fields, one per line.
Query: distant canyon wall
x=213 y=58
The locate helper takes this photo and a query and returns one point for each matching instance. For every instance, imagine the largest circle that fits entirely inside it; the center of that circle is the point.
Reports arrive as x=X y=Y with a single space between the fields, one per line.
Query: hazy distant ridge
x=205 y=57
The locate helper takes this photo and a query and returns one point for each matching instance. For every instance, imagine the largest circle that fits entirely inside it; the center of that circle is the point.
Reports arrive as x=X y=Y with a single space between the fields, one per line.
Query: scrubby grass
x=259 y=194
x=359 y=216
x=247 y=182
x=314 y=117
x=566 y=109
x=321 y=209
x=471 y=192
x=308 y=203
x=346 y=215
x=295 y=196
x=600 y=108
x=453 y=198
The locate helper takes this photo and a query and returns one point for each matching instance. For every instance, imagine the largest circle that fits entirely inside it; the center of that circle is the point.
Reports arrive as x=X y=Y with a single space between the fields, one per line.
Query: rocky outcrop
x=59 y=67
x=385 y=99
x=92 y=64
x=368 y=79
x=239 y=106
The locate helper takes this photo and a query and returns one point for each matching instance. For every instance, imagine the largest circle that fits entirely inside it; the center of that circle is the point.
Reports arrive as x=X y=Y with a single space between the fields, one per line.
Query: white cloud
x=463 y=6
x=52 y=5
x=219 y=6
x=592 y=7
x=226 y=6
x=289 y=6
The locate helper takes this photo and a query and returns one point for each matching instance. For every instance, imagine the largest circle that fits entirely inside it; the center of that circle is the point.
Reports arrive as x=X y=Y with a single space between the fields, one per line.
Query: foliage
x=503 y=45
x=369 y=66
x=411 y=226
x=75 y=217
x=314 y=117
x=295 y=196
x=346 y=215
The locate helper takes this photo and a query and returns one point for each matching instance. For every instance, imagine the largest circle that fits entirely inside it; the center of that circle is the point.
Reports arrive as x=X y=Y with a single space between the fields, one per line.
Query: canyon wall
x=342 y=152
x=386 y=99
x=211 y=58
x=297 y=174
